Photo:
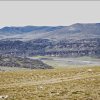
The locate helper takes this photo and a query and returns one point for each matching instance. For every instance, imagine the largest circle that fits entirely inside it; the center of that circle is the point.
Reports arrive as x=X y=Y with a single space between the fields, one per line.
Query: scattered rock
x=3 y=96
x=89 y=70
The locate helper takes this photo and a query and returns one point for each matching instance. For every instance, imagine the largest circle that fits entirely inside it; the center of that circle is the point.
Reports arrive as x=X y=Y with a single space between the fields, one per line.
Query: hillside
x=10 y=61
x=69 y=41
x=54 y=84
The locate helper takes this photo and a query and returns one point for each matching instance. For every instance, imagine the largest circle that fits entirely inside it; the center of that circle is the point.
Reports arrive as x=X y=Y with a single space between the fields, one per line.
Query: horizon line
x=46 y=25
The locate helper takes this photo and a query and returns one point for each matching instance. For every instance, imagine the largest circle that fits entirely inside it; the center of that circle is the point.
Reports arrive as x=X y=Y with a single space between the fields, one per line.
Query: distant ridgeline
x=68 y=41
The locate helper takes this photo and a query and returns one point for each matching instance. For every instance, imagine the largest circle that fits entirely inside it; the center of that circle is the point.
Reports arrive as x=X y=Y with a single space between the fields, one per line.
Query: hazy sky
x=19 y=13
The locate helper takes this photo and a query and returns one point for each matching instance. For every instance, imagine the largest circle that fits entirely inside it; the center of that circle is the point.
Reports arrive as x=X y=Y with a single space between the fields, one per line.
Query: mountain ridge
x=50 y=32
x=74 y=40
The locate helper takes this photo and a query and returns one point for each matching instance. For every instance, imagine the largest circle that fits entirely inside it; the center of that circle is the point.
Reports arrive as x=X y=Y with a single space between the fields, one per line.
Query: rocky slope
x=69 y=41
x=10 y=61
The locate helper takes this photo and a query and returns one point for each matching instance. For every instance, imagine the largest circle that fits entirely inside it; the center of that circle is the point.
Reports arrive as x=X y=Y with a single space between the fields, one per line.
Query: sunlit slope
x=52 y=84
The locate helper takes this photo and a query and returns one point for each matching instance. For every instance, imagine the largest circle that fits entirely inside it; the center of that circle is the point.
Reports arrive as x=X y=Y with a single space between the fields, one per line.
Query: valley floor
x=68 y=62
x=52 y=84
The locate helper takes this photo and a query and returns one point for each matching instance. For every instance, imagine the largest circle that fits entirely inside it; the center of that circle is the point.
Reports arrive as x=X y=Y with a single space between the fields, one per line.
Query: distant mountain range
x=68 y=41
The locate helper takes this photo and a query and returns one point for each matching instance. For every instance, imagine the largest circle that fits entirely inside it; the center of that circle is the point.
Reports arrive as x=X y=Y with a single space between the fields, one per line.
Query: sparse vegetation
x=51 y=84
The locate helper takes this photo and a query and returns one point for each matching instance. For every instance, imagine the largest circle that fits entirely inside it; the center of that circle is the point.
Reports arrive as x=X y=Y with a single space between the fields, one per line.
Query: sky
x=48 y=13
